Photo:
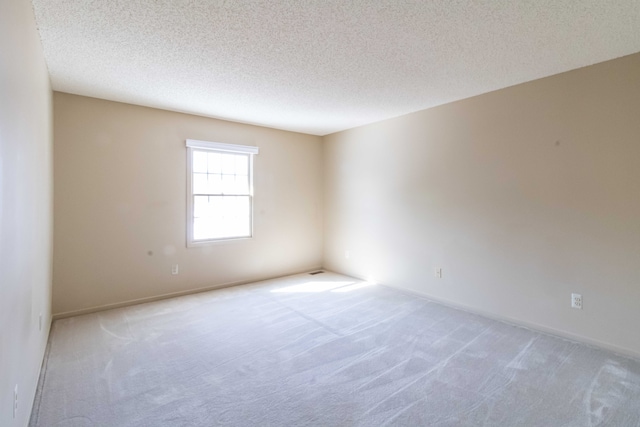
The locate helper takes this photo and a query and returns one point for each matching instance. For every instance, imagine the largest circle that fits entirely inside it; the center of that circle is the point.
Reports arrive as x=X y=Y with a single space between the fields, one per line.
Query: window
x=220 y=187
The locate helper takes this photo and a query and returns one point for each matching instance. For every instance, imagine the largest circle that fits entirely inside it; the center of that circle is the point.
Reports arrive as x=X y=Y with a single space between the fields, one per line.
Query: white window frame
x=195 y=145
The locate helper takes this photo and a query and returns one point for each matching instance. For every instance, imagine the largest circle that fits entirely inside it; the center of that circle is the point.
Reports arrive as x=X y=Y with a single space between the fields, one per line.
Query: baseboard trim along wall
x=42 y=373
x=620 y=351
x=127 y=303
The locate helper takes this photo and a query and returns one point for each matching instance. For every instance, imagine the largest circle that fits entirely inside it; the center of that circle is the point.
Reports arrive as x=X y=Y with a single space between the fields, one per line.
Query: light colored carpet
x=323 y=350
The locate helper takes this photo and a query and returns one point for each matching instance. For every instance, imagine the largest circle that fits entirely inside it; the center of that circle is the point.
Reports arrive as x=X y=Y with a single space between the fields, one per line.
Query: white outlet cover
x=15 y=401
x=576 y=301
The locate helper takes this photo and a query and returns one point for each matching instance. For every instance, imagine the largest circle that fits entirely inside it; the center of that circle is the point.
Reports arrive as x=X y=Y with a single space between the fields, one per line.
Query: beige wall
x=120 y=194
x=25 y=208
x=522 y=196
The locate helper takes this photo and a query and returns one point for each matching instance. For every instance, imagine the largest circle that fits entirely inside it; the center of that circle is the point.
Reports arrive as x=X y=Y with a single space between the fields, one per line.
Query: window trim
x=196 y=145
x=221 y=146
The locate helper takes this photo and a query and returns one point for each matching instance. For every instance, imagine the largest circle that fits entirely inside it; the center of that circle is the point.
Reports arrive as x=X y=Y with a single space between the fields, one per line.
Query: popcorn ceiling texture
x=321 y=66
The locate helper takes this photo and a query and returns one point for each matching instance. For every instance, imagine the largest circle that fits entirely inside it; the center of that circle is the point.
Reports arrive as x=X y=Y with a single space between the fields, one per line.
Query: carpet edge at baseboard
x=144 y=300
x=558 y=333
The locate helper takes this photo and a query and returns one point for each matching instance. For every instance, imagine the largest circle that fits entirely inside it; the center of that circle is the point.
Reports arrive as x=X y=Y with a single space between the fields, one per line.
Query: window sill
x=200 y=243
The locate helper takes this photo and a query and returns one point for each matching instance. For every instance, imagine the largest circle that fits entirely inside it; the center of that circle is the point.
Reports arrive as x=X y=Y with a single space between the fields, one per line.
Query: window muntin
x=220 y=192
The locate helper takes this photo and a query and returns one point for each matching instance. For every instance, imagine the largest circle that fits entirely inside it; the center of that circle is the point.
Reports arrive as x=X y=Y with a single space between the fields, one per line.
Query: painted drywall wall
x=26 y=222
x=522 y=196
x=120 y=204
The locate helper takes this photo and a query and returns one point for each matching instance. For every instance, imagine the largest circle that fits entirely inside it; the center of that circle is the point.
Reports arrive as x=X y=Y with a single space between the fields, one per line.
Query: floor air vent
x=313 y=273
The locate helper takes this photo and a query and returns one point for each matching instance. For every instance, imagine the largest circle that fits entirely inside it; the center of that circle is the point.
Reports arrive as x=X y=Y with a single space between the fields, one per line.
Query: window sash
x=228 y=220
x=241 y=190
x=222 y=173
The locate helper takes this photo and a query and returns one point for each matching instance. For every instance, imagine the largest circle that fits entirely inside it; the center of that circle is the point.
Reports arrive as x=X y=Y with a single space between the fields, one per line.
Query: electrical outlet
x=438 y=273
x=576 y=301
x=175 y=269
x=15 y=401
x=347 y=254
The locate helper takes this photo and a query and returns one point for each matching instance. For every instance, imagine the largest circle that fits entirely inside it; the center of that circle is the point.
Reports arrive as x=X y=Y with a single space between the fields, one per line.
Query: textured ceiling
x=320 y=66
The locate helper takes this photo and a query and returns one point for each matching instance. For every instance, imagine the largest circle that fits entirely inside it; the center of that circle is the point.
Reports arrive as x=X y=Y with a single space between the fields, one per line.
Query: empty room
x=319 y=213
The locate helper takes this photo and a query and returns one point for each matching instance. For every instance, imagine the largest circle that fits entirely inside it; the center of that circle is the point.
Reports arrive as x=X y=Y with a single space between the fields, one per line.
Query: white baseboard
x=558 y=333
x=34 y=405
x=171 y=295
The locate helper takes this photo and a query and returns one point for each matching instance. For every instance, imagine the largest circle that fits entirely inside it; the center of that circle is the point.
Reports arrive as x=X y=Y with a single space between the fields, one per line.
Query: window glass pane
x=242 y=184
x=228 y=184
x=215 y=162
x=199 y=161
x=204 y=228
x=201 y=207
x=224 y=208
x=218 y=217
x=229 y=207
x=229 y=163
x=244 y=207
x=217 y=207
x=242 y=165
x=215 y=184
x=200 y=185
